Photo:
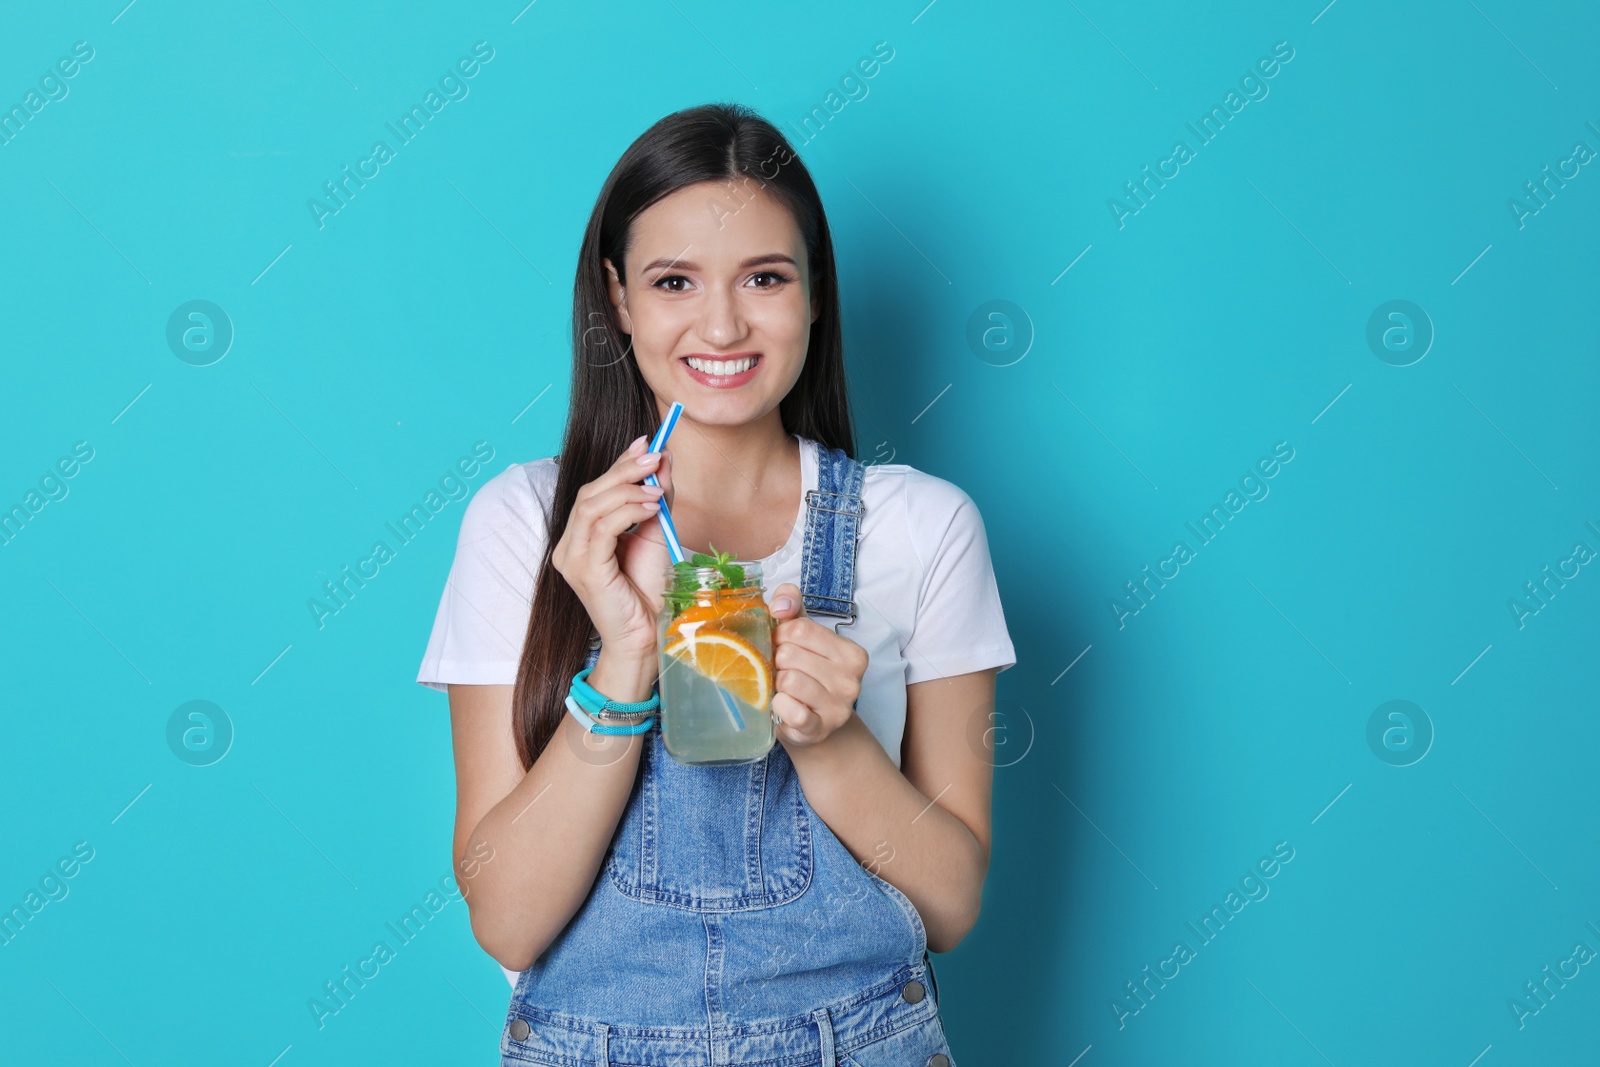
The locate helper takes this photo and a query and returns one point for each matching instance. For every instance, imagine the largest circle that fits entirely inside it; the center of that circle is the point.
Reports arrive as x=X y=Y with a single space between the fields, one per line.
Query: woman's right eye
x=659 y=282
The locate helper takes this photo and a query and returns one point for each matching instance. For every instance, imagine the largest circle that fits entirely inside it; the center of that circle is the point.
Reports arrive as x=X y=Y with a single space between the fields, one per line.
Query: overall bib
x=728 y=926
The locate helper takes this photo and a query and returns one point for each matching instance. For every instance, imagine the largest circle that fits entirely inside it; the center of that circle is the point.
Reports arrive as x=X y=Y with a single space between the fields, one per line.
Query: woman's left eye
x=778 y=278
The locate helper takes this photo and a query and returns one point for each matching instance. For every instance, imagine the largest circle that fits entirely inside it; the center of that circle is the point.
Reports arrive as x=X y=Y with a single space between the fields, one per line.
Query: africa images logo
x=1253 y=83
x=452 y=85
x=342 y=588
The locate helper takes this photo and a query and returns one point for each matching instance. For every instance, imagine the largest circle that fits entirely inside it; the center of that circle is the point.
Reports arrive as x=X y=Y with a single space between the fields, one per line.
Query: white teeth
x=721 y=367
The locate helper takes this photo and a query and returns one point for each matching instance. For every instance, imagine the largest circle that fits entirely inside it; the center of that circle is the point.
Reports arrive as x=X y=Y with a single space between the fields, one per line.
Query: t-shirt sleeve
x=960 y=626
x=482 y=618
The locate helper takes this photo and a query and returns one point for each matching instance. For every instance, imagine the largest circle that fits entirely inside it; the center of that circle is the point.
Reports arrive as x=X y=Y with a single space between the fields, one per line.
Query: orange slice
x=694 y=613
x=740 y=599
x=728 y=660
x=707 y=613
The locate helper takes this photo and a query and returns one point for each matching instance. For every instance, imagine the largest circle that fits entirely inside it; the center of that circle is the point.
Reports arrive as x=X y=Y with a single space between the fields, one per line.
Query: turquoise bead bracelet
x=595 y=701
x=592 y=708
x=593 y=727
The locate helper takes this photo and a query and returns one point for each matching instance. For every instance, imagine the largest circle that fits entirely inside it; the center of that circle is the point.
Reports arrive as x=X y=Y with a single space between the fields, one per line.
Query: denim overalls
x=727 y=924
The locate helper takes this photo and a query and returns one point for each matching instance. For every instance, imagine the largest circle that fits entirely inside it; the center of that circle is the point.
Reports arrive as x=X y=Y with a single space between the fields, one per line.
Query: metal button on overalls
x=912 y=991
x=938 y=1059
x=519 y=1029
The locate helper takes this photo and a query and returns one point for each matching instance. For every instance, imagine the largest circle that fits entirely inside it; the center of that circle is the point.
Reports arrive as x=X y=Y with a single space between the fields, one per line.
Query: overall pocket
x=920 y=1045
x=712 y=839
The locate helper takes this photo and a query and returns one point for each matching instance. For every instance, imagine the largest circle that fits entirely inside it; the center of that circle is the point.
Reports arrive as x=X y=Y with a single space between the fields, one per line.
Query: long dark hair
x=611 y=404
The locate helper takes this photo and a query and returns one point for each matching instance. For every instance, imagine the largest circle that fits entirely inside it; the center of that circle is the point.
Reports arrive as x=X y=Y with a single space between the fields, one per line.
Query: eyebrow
x=753 y=261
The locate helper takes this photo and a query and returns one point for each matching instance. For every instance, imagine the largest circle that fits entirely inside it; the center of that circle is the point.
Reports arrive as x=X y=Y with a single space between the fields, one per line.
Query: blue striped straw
x=671 y=534
x=664 y=516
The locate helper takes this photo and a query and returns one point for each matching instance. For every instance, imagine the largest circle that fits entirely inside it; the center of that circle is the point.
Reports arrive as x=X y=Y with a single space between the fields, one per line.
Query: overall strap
x=833 y=529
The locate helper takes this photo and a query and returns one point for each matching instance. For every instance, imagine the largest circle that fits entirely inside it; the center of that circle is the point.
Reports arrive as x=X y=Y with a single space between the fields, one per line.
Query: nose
x=722 y=323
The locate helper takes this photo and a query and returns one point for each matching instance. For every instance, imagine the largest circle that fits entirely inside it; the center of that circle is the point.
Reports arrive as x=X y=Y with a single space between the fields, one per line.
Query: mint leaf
x=686 y=583
x=729 y=574
x=681 y=594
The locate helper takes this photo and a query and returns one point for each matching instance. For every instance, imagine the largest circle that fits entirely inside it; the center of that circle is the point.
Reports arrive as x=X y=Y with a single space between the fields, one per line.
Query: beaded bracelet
x=598 y=704
x=607 y=716
x=594 y=727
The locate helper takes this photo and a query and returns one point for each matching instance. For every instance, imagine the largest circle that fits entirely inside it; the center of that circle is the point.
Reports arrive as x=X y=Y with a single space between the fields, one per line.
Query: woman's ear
x=618 y=295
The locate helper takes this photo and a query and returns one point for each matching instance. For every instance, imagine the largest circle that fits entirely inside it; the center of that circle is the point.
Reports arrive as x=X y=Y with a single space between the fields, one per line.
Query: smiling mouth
x=722 y=368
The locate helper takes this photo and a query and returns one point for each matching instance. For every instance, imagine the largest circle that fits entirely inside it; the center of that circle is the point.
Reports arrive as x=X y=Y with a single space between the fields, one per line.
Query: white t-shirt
x=926 y=601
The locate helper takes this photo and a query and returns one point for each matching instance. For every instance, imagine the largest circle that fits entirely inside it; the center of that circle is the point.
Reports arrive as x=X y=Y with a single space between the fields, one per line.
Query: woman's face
x=721 y=280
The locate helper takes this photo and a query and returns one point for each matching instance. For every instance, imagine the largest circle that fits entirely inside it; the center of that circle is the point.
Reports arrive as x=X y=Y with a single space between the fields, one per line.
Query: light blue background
x=1227 y=315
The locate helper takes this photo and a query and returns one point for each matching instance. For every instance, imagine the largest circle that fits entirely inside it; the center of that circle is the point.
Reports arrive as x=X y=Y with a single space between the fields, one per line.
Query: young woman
x=780 y=911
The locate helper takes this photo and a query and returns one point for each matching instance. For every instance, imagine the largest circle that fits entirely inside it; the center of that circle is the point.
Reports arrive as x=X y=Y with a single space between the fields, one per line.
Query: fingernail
x=647 y=458
x=782 y=603
x=637 y=442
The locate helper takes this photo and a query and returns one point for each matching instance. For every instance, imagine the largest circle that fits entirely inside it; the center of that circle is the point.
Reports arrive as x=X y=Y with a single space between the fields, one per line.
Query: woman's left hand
x=818 y=673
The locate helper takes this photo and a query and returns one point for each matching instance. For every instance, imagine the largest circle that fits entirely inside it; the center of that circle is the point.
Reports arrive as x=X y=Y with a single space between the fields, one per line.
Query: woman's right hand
x=620 y=589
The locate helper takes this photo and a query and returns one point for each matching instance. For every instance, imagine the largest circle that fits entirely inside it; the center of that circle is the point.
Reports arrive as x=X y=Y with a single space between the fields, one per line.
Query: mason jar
x=714 y=639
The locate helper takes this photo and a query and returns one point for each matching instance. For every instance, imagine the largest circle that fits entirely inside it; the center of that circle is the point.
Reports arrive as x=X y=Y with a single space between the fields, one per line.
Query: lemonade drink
x=716 y=680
